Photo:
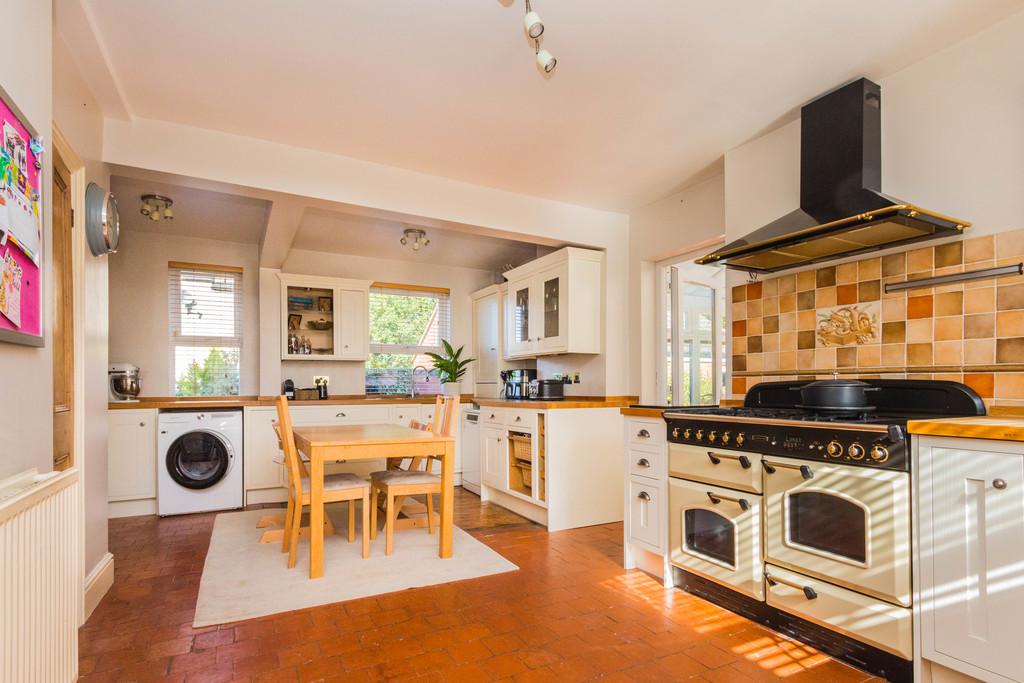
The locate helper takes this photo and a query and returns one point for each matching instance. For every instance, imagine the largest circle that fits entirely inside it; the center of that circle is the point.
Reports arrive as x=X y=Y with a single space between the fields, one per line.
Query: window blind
x=205 y=317
x=408 y=320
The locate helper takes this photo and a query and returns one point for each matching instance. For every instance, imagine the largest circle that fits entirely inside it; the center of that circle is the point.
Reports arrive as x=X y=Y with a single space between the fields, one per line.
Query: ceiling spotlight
x=532 y=24
x=545 y=60
x=416 y=236
x=157 y=206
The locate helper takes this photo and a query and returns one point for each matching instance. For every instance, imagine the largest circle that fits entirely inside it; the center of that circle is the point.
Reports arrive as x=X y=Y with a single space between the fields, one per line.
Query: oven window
x=828 y=523
x=711 y=535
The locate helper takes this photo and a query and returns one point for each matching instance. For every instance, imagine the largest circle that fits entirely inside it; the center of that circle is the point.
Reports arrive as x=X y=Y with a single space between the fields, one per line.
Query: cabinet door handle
x=644 y=496
x=643 y=434
x=643 y=462
x=341 y=415
x=519 y=418
x=492 y=416
x=999 y=484
x=808 y=592
x=143 y=424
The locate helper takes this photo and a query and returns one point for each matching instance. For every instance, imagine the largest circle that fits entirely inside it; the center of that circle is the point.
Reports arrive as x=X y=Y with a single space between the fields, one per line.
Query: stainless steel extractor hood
x=842 y=209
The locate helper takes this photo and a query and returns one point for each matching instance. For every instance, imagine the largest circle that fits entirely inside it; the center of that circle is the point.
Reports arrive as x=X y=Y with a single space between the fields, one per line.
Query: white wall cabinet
x=554 y=305
x=970 y=555
x=131 y=455
x=343 y=304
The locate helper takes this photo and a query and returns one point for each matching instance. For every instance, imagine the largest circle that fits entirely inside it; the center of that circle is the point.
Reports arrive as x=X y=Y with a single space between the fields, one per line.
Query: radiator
x=41 y=577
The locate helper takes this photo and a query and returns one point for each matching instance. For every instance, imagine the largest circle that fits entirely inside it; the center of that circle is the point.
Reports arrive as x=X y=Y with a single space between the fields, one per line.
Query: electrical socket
x=576 y=377
x=318 y=379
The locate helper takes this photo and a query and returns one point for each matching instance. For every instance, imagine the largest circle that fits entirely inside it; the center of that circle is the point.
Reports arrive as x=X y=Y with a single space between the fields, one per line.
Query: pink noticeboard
x=21 y=231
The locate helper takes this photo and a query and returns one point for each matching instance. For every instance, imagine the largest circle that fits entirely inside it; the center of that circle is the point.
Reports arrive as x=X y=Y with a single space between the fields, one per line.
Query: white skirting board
x=97 y=583
x=131 y=508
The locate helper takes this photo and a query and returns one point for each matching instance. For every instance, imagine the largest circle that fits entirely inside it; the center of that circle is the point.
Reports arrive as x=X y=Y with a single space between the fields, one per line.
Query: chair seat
x=402 y=477
x=339 y=482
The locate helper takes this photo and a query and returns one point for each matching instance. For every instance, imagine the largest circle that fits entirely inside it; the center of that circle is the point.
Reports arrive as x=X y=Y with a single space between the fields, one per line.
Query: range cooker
x=799 y=517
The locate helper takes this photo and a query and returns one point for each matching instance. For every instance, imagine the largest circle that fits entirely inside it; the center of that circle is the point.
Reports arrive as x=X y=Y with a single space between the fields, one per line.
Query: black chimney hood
x=842 y=210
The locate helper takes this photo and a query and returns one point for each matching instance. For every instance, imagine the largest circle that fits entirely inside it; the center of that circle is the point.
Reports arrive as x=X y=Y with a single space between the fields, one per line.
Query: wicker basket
x=307 y=394
x=522 y=447
x=526 y=470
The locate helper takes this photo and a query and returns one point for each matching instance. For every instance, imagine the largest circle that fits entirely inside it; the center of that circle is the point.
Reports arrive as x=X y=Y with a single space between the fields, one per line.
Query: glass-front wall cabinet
x=552 y=287
x=520 y=341
x=310 y=321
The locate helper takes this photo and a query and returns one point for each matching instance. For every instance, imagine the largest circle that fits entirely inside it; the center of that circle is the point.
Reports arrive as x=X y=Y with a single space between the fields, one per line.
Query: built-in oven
x=844 y=524
x=716 y=532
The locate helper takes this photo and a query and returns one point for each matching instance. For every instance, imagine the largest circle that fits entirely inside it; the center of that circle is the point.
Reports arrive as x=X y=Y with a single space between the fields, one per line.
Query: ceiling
x=342 y=233
x=646 y=98
x=197 y=212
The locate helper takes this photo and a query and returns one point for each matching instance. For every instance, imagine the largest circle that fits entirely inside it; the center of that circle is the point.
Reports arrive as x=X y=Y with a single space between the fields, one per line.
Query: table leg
x=316 y=516
x=447 y=499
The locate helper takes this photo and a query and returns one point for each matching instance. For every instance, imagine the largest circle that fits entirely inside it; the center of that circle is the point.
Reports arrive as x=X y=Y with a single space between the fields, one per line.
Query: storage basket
x=307 y=394
x=526 y=470
x=522 y=447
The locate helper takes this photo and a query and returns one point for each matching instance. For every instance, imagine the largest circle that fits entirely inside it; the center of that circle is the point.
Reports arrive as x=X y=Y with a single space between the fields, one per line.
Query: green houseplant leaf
x=451 y=366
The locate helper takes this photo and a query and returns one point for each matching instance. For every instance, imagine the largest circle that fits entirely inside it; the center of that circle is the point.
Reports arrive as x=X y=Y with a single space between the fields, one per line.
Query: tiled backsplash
x=839 y=319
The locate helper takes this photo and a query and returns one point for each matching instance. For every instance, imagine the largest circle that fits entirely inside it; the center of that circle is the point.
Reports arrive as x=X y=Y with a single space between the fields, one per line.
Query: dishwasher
x=471 y=451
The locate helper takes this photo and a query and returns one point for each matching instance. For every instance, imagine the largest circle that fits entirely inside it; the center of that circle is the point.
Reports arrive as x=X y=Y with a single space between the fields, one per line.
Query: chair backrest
x=445 y=410
x=291 y=453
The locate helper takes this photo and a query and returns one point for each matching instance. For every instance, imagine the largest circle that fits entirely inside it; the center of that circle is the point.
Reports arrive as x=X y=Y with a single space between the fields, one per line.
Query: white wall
x=80 y=120
x=138 y=303
x=674 y=225
x=348 y=377
x=265 y=165
x=26 y=400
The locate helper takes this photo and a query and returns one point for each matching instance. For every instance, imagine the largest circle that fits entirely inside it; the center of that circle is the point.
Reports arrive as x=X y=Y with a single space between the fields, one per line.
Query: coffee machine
x=517 y=382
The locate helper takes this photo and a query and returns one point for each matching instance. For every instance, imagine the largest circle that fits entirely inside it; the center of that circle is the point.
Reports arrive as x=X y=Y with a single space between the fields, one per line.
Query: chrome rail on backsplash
x=969 y=276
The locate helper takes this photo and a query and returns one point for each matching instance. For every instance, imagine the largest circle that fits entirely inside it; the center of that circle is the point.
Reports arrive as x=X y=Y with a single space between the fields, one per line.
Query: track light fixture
x=157 y=206
x=534 y=28
x=416 y=236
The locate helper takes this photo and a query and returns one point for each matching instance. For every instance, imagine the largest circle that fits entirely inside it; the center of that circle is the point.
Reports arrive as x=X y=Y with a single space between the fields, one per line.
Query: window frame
x=175 y=270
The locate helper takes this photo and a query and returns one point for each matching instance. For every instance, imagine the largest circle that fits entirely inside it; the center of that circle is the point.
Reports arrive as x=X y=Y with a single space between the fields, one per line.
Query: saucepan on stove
x=835 y=394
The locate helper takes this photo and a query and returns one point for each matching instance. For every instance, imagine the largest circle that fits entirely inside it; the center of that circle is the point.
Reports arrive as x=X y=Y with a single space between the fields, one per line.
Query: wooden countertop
x=1001 y=427
x=642 y=412
x=227 y=402
x=567 y=402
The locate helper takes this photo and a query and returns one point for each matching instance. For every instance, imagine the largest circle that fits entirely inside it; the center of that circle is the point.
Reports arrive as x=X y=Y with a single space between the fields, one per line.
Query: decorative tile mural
x=838 y=318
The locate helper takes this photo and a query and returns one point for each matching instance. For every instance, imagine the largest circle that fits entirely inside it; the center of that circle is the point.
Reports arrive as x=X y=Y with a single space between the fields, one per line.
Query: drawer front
x=716 y=532
x=646 y=514
x=719 y=466
x=859 y=616
x=340 y=414
x=403 y=414
x=645 y=432
x=650 y=462
x=491 y=415
x=520 y=419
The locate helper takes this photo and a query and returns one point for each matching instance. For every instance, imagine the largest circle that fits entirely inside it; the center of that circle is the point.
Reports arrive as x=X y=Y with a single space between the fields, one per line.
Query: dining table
x=334 y=443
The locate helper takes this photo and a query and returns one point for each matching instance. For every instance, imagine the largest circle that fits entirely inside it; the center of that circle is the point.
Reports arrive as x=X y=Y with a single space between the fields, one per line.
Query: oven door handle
x=716 y=459
x=808 y=592
x=717 y=498
x=805 y=471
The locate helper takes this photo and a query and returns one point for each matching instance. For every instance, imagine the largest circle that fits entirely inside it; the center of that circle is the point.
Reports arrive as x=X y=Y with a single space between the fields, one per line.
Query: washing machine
x=200 y=461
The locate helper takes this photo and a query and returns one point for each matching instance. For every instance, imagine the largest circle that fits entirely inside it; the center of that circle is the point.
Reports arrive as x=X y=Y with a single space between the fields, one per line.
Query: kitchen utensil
x=835 y=394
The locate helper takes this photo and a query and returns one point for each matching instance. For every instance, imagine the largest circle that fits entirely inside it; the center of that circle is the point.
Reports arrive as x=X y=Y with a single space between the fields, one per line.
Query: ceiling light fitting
x=534 y=28
x=417 y=237
x=157 y=206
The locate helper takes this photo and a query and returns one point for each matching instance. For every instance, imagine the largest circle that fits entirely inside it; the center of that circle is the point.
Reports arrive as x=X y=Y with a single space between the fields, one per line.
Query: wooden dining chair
x=337 y=488
x=417 y=480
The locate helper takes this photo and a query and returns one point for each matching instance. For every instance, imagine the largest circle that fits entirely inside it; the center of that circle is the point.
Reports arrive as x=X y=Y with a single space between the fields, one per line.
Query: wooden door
x=63 y=319
x=972 y=552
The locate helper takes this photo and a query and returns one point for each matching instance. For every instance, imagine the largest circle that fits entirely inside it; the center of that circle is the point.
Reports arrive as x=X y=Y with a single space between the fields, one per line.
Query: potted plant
x=450 y=367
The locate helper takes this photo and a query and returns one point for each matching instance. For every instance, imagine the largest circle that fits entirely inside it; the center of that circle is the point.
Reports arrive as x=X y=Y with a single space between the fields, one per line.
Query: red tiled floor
x=571 y=613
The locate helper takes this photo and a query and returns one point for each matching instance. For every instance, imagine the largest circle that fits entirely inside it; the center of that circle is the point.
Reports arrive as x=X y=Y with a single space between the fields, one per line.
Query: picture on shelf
x=294 y=321
x=324 y=303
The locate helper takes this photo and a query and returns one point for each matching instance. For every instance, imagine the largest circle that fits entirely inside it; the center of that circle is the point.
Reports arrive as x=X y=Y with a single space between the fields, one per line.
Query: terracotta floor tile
x=570 y=613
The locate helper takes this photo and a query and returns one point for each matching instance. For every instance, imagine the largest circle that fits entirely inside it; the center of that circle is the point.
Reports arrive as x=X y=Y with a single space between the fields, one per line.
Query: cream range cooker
x=799 y=517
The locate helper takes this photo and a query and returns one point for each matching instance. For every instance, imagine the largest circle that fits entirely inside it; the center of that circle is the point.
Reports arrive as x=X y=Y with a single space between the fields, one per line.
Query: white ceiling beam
x=283 y=219
x=75 y=24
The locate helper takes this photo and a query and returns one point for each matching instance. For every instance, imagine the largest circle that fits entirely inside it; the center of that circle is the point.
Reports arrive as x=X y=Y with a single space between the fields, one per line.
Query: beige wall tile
x=949 y=328
x=920 y=260
x=894 y=264
x=949 y=254
x=894 y=309
x=869 y=269
x=1009 y=297
x=949 y=352
x=979 y=248
x=1010 y=324
x=949 y=303
x=919 y=331
x=771 y=361
x=770 y=288
x=981 y=300
x=919 y=354
x=1010 y=243
x=754 y=309
x=869 y=355
x=825 y=297
x=846 y=357
x=806 y=320
x=787 y=322
x=770 y=344
x=739 y=293
x=979 y=326
x=770 y=305
x=805 y=359
x=739 y=345
x=754 y=326
x=787 y=341
x=787 y=360
x=979 y=351
x=824 y=358
x=846 y=273
x=1010 y=350
x=787 y=303
x=806 y=281
x=755 y=362
x=787 y=284
x=1009 y=385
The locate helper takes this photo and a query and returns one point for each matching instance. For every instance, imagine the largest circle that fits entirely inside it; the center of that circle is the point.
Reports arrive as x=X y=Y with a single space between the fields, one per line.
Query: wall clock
x=102 y=225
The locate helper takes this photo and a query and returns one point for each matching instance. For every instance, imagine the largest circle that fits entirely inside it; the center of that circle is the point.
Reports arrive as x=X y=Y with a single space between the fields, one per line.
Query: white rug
x=243 y=578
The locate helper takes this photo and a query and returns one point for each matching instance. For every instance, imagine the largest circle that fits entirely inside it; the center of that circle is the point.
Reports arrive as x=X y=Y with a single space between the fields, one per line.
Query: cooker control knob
x=712 y=436
x=700 y=434
x=675 y=432
x=879 y=453
x=834 y=449
x=740 y=438
x=726 y=437
x=856 y=451
x=686 y=433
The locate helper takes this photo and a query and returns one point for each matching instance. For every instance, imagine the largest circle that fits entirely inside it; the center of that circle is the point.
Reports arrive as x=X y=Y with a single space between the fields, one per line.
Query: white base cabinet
x=969 y=557
x=647 y=520
x=131 y=455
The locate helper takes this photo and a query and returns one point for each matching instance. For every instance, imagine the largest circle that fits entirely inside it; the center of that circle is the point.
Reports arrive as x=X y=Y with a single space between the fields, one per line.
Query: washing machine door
x=198 y=459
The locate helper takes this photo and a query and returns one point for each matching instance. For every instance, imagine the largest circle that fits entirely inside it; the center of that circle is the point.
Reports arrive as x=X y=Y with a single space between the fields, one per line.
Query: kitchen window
x=205 y=315
x=406 y=323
